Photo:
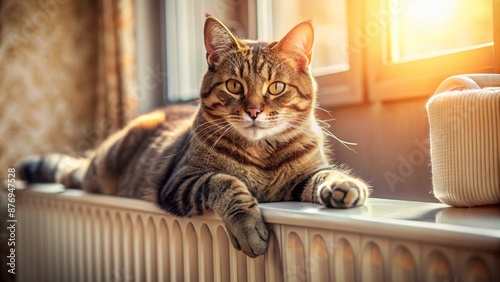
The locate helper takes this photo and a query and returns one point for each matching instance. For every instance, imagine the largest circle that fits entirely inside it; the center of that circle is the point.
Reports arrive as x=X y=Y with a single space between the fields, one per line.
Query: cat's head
x=258 y=89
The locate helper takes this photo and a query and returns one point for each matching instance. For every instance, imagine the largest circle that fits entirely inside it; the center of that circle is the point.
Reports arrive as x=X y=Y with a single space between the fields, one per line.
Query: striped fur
x=245 y=143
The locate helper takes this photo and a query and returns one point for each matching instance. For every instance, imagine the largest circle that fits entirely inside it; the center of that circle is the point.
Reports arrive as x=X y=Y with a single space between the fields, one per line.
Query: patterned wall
x=47 y=77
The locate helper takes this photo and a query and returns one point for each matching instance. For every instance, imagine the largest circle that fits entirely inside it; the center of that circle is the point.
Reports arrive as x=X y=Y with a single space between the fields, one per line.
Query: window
x=378 y=49
x=185 y=51
x=414 y=45
x=427 y=28
x=336 y=67
x=330 y=26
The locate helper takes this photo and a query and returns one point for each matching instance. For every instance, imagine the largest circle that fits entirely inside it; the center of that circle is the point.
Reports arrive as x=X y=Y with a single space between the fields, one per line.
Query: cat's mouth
x=255 y=130
x=254 y=126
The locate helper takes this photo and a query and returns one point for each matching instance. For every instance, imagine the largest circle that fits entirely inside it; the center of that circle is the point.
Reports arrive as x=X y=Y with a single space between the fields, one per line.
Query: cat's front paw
x=248 y=233
x=342 y=192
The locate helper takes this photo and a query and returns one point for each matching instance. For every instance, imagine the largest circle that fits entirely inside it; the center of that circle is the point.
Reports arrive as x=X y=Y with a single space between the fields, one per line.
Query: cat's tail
x=59 y=168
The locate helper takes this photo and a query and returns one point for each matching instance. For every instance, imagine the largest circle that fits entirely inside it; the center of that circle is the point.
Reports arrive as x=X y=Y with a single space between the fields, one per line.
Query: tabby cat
x=253 y=139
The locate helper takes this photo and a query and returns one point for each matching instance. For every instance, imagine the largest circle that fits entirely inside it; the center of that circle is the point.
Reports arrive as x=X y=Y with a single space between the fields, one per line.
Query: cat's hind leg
x=99 y=172
x=111 y=159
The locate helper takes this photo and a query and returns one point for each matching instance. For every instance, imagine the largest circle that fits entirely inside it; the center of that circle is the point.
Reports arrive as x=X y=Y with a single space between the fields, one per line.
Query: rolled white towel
x=465 y=146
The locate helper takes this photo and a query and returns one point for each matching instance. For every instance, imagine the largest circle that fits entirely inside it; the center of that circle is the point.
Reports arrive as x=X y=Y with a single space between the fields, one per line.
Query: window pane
x=185 y=49
x=424 y=28
x=330 y=25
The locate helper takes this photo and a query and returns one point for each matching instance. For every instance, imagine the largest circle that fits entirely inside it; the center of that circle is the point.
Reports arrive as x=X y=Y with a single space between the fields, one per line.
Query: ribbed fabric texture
x=465 y=146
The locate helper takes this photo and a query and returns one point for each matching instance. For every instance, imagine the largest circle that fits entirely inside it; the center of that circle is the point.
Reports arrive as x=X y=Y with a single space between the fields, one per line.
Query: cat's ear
x=298 y=43
x=218 y=39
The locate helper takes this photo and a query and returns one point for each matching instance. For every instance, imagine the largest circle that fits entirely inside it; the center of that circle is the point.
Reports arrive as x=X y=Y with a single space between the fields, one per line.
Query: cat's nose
x=253 y=111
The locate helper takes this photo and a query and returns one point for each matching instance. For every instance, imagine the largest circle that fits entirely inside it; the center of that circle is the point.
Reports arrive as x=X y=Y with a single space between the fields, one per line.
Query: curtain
x=116 y=101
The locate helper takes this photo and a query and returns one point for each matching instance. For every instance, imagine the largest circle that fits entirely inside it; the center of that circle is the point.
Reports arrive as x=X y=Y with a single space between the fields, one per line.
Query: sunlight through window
x=425 y=28
x=330 y=26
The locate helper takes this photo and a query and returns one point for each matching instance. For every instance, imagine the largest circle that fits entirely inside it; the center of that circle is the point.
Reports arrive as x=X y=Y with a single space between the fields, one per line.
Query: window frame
x=496 y=34
x=389 y=81
x=370 y=77
x=340 y=88
x=334 y=89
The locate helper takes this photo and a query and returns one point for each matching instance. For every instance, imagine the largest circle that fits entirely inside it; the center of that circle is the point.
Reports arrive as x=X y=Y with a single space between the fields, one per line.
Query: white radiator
x=73 y=236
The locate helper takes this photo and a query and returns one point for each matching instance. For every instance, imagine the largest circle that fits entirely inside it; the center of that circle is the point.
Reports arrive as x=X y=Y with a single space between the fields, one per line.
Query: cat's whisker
x=304 y=120
x=344 y=143
x=209 y=131
x=205 y=127
x=300 y=128
x=206 y=133
x=324 y=124
x=208 y=106
x=209 y=152
x=192 y=134
x=326 y=132
x=324 y=110
x=209 y=124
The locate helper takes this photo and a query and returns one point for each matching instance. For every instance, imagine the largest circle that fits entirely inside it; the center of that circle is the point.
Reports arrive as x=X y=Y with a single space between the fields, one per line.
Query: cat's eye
x=276 y=88
x=234 y=86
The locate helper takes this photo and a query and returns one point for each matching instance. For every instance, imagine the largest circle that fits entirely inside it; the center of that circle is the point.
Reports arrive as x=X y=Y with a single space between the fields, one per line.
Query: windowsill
x=435 y=223
x=406 y=220
x=90 y=235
